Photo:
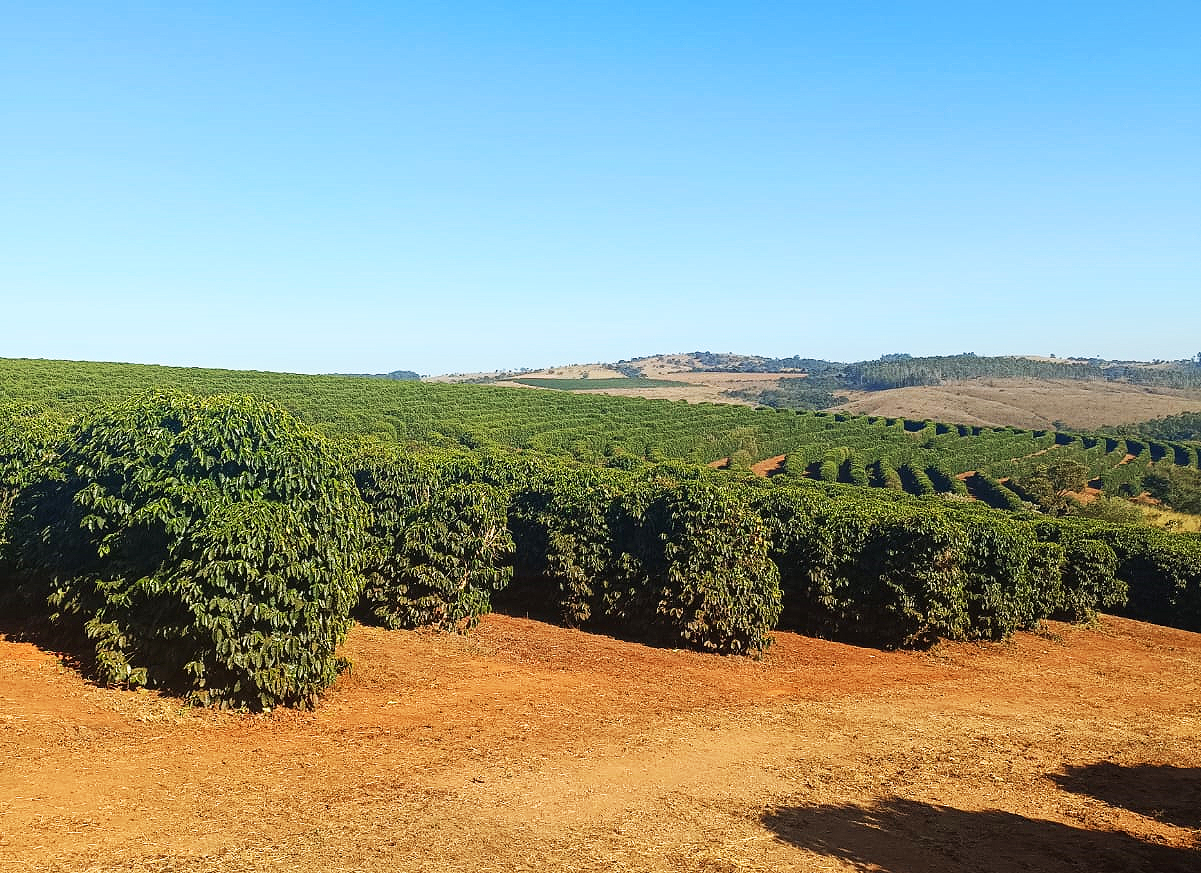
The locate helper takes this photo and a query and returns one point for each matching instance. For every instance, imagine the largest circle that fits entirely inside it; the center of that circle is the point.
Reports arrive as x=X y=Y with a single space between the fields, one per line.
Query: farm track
x=526 y=746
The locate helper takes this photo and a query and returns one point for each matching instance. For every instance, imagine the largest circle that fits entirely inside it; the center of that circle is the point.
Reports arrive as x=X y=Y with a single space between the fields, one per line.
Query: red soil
x=530 y=747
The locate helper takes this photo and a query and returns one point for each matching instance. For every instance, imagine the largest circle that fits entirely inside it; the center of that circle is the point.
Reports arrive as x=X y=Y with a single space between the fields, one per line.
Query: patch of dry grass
x=1027 y=403
x=1171 y=520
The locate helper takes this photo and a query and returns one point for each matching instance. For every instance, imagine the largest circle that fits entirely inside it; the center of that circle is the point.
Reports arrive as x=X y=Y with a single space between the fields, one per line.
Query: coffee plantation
x=218 y=545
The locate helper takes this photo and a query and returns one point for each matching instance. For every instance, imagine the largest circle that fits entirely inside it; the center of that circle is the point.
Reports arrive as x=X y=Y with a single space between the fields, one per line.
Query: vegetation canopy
x=207 y=545
x=217 y=544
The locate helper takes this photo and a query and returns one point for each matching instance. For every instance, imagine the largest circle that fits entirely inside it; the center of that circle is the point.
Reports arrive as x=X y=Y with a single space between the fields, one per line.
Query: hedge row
x=906 y=574
x=661 y=559
x=219 y=548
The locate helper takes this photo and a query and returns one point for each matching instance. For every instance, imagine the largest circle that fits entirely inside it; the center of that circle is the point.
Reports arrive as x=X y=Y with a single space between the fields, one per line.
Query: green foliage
x=1178 y=487
x=944 y=480
x=1045 y=577
x=438 y=544
x=705 y=567
x=884 y=475
x=854 y=471
x=915 y=480
x=27 y=440
x=1089 y=581
x=896 y=372
x=869 y=571
x=1109 y=509
x=832 y=463
x=658 y=558
x=815 y=392
x=1052 y=487
x=1002 y=595
x=561 y=524
x=1162 y=572
x=992 y=493
x=648 y=542
x=208 y=546
x=1185 y=426
x=908 y=584
x=411 y=413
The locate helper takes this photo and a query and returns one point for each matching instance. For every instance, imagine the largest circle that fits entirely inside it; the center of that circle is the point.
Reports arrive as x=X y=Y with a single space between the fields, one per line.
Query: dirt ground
x=525 y=746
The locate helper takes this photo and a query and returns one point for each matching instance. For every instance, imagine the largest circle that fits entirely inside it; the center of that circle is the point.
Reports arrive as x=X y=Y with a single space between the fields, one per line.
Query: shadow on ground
x=905 y=836
x=24 y=618
x=1158 y=791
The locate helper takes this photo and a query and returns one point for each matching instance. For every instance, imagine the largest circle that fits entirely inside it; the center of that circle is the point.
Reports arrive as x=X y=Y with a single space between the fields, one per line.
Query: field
x=590 y=384
x=991 y=402
x=525 y=746
x=693 y=386
x=1027 y=403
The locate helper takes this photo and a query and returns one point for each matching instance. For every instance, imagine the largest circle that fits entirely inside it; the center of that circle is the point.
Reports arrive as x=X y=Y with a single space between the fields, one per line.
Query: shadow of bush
x=905 y=836
x=1158 y=791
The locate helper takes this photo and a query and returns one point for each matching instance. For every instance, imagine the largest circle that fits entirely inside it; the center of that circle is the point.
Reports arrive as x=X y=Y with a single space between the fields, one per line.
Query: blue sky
x=452 y=187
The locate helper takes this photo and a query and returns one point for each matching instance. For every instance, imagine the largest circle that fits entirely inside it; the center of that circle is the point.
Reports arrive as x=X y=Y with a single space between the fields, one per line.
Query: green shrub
x=884 y=475
x=564 y=545
x=1089 y=581
x=27 y=440
x=908 y=586
x=801 y=546
x=703 y=568
x=1045 y=573
x=438 y=542
x=1001 y=595
x=944 y=479
x=915 y=480
x=1162 y=572
x=208 y=546
x=854 y=471
x=992 y=493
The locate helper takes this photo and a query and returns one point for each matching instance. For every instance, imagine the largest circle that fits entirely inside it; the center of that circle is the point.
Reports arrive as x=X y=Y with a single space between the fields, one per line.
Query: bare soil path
x=530 y=747
x=769 y=466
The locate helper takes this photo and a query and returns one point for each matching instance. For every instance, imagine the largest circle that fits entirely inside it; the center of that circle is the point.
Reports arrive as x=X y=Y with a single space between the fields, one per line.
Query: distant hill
x=1015 y=390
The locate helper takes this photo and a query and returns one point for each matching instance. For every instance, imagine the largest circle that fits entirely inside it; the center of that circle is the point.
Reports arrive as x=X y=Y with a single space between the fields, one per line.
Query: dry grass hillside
x=997 y=402
x=1028 y=403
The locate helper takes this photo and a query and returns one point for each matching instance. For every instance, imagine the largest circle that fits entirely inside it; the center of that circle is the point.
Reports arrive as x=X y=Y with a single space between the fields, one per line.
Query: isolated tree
x=1053 y=487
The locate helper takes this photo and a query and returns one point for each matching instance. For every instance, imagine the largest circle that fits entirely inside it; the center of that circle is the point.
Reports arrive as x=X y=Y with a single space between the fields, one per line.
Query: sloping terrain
x=988 y=401
x=530 y=747
x=1026 y=403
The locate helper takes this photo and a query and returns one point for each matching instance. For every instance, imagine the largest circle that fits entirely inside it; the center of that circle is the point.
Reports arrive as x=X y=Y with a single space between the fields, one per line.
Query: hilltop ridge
x=1011 y=390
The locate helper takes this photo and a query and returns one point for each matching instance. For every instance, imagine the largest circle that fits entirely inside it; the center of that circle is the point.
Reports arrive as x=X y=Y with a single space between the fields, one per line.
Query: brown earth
x=770 y=466
x=530 y=747
x=1028 y=403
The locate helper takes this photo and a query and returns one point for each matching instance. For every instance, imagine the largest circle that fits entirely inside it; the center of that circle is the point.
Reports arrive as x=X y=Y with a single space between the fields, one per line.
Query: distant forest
x=1185 y=426
x=899 y=371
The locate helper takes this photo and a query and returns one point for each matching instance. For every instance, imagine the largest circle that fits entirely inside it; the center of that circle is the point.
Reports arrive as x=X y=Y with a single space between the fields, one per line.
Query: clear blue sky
x=364 y=187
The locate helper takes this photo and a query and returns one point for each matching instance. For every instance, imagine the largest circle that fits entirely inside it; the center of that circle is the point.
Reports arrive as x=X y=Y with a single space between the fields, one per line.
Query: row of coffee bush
x=219 y=548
